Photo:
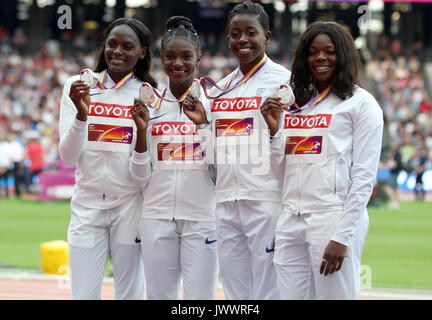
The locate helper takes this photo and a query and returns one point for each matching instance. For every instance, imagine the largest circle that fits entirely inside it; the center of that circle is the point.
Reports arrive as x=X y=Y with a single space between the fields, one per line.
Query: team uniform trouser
x=245 y=230
x=94 y=235
x=179 y=249
x=300 y=244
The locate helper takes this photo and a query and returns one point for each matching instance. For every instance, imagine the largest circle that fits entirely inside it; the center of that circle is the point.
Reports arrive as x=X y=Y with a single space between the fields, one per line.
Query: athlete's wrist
x=203 y=124
x=142 y=130
x=273 y=131
x=81 y=116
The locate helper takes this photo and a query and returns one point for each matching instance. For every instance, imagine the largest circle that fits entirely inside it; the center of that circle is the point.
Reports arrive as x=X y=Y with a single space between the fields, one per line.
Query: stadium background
x=44 y=42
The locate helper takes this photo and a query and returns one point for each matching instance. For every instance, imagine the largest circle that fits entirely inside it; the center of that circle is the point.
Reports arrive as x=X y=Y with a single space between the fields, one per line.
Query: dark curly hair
x=345 y=76
x=143 y=66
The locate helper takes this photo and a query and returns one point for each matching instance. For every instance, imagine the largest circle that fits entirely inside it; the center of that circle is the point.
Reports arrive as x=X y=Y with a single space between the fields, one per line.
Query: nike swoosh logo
x=269 y=250
x=207 y=241
x=157 y=116
x=137 y=240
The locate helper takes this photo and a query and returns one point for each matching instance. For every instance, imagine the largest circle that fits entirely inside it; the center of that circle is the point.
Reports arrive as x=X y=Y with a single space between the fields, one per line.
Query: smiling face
x=122 y=51
x=322 y=60
x=180 y=60
x=247 y=40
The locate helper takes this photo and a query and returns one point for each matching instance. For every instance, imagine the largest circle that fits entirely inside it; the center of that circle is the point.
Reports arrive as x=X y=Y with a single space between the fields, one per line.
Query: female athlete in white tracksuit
x=98 y=135
x=248 y=190
x=330 y=149
x=177 y=228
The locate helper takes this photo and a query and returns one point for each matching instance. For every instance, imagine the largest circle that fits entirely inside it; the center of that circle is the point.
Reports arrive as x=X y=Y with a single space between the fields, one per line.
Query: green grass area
x=398 y=247
x=24 y=225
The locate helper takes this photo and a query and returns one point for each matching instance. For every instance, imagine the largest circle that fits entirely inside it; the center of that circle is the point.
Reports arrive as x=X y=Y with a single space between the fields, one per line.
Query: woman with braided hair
x=177 y=227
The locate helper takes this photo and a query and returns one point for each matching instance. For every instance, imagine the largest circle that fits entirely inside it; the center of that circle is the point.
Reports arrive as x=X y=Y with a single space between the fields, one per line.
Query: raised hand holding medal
x=140 y=112
x=287 y=96
x=80 y=93
x=193 y=96
x=88 y=77
x=146 y=94
x=192 y=106
x=195 y=90
x=272 y=108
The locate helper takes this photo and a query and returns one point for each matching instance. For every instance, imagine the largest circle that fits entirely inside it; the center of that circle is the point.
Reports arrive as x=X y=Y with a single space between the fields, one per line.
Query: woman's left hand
x=194 y=109
x=333 y=258
x=140 y=114
x=271 y=110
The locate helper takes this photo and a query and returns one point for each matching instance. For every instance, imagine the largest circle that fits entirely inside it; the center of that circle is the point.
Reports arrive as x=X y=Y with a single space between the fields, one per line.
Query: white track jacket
x=241 y=137
x=331 y=153
x=102 y=178
x=174 y=172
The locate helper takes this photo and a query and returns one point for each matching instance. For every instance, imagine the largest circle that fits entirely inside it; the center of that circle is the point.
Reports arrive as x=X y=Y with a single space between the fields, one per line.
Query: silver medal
x=146 y=94
x=88 y=77
x=195 y=90
x=286 y=95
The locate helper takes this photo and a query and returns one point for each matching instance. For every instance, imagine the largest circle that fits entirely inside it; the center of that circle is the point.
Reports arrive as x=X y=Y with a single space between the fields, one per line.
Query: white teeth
x=321 y=68
x=245 y=50
x=178 y=73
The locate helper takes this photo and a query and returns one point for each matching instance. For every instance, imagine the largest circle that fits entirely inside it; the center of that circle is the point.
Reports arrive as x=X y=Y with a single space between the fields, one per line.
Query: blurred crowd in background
x=31 y=87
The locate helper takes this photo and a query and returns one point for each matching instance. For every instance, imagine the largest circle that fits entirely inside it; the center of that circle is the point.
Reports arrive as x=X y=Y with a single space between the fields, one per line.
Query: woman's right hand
x=271 y=109
x=80 y=96
x=194 y=109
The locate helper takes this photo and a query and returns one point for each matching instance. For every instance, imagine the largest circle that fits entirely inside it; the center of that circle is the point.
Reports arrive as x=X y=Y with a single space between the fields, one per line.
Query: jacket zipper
x=176 y=172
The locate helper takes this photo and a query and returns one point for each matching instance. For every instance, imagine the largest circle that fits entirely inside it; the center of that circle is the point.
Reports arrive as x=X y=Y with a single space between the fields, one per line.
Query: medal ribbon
x=162 y=97
x=117 y=85
x=313 y=102
x=227 y=88
x=159 y=100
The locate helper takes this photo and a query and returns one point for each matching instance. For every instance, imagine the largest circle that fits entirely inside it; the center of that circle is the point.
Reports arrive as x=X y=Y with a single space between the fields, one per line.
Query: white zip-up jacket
x=243 y=161
x=337 y=172
x=182 y=191
x=102 y=178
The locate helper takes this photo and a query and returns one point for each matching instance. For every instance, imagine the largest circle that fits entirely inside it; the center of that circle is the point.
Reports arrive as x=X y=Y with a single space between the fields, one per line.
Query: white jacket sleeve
x=72 y=131
x=367 y=139
x=140 y=168
x=277 y=146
